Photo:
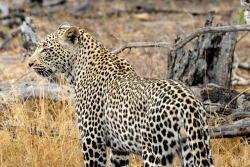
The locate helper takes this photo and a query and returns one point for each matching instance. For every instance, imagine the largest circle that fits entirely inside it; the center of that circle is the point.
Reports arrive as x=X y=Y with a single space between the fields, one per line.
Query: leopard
x=115 y=108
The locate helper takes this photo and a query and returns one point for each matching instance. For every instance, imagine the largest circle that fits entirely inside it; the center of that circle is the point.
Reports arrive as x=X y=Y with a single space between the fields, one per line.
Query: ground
x=25 y=149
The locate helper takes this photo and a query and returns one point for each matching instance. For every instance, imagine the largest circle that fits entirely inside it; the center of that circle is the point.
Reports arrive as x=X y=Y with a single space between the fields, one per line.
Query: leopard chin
x=43 y=72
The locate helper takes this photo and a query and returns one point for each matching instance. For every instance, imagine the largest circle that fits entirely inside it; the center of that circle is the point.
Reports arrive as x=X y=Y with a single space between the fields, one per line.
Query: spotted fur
x=116 y=108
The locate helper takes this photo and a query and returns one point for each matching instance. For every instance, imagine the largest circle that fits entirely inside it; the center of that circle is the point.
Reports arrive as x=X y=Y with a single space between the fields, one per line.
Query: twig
x=27 y=73
x=233 y=100
x=4 y=42
x=182 y=42
x=242 y=36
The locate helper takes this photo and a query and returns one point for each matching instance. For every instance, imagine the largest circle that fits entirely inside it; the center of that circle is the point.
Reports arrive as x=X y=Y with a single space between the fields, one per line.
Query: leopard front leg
x=94 y=153
x=118 y=158
x=93 y=145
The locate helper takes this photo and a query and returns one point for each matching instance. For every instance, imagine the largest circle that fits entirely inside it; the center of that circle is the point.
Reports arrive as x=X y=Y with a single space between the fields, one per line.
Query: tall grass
x=59 y=144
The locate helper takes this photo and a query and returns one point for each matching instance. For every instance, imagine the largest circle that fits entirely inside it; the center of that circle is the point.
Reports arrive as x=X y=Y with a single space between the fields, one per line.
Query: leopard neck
x=84 y=58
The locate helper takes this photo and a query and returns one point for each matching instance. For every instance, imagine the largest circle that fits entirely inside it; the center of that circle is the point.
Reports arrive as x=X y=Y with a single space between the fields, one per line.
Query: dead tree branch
x=126 y=45
x=235 y=116
x=182 y=42
x=240 y=128
x=10 y=93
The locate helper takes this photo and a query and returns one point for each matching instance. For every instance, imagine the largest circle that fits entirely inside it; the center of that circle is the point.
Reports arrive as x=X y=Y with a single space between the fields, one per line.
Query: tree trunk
x=212 y=55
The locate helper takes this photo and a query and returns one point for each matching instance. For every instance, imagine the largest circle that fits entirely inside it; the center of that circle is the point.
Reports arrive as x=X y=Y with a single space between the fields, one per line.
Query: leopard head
x=56 y=51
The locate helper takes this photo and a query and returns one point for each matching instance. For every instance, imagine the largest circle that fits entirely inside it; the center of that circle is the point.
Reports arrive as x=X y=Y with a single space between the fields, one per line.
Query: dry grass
x=21 y=148
x=231 y=152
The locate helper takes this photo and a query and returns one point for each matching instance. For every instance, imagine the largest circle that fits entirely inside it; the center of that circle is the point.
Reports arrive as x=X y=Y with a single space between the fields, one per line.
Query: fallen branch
x=182 y=42
x=241 y=128
x=233 y=117
x=10 y=93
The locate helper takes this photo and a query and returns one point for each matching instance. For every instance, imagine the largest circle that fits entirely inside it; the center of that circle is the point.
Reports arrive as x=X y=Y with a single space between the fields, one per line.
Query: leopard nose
x=31 y=64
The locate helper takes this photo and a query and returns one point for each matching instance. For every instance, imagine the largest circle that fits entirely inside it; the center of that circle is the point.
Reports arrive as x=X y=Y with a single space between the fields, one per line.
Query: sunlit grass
x=59 y=145
x=231 y=152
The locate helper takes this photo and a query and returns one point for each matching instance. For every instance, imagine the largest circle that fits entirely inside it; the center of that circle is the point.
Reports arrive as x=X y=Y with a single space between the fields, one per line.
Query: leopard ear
x=64 y=26
x=70 y=36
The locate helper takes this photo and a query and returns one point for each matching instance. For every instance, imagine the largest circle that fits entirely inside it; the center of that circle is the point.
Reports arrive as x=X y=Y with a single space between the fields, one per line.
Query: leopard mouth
x=43 y=72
